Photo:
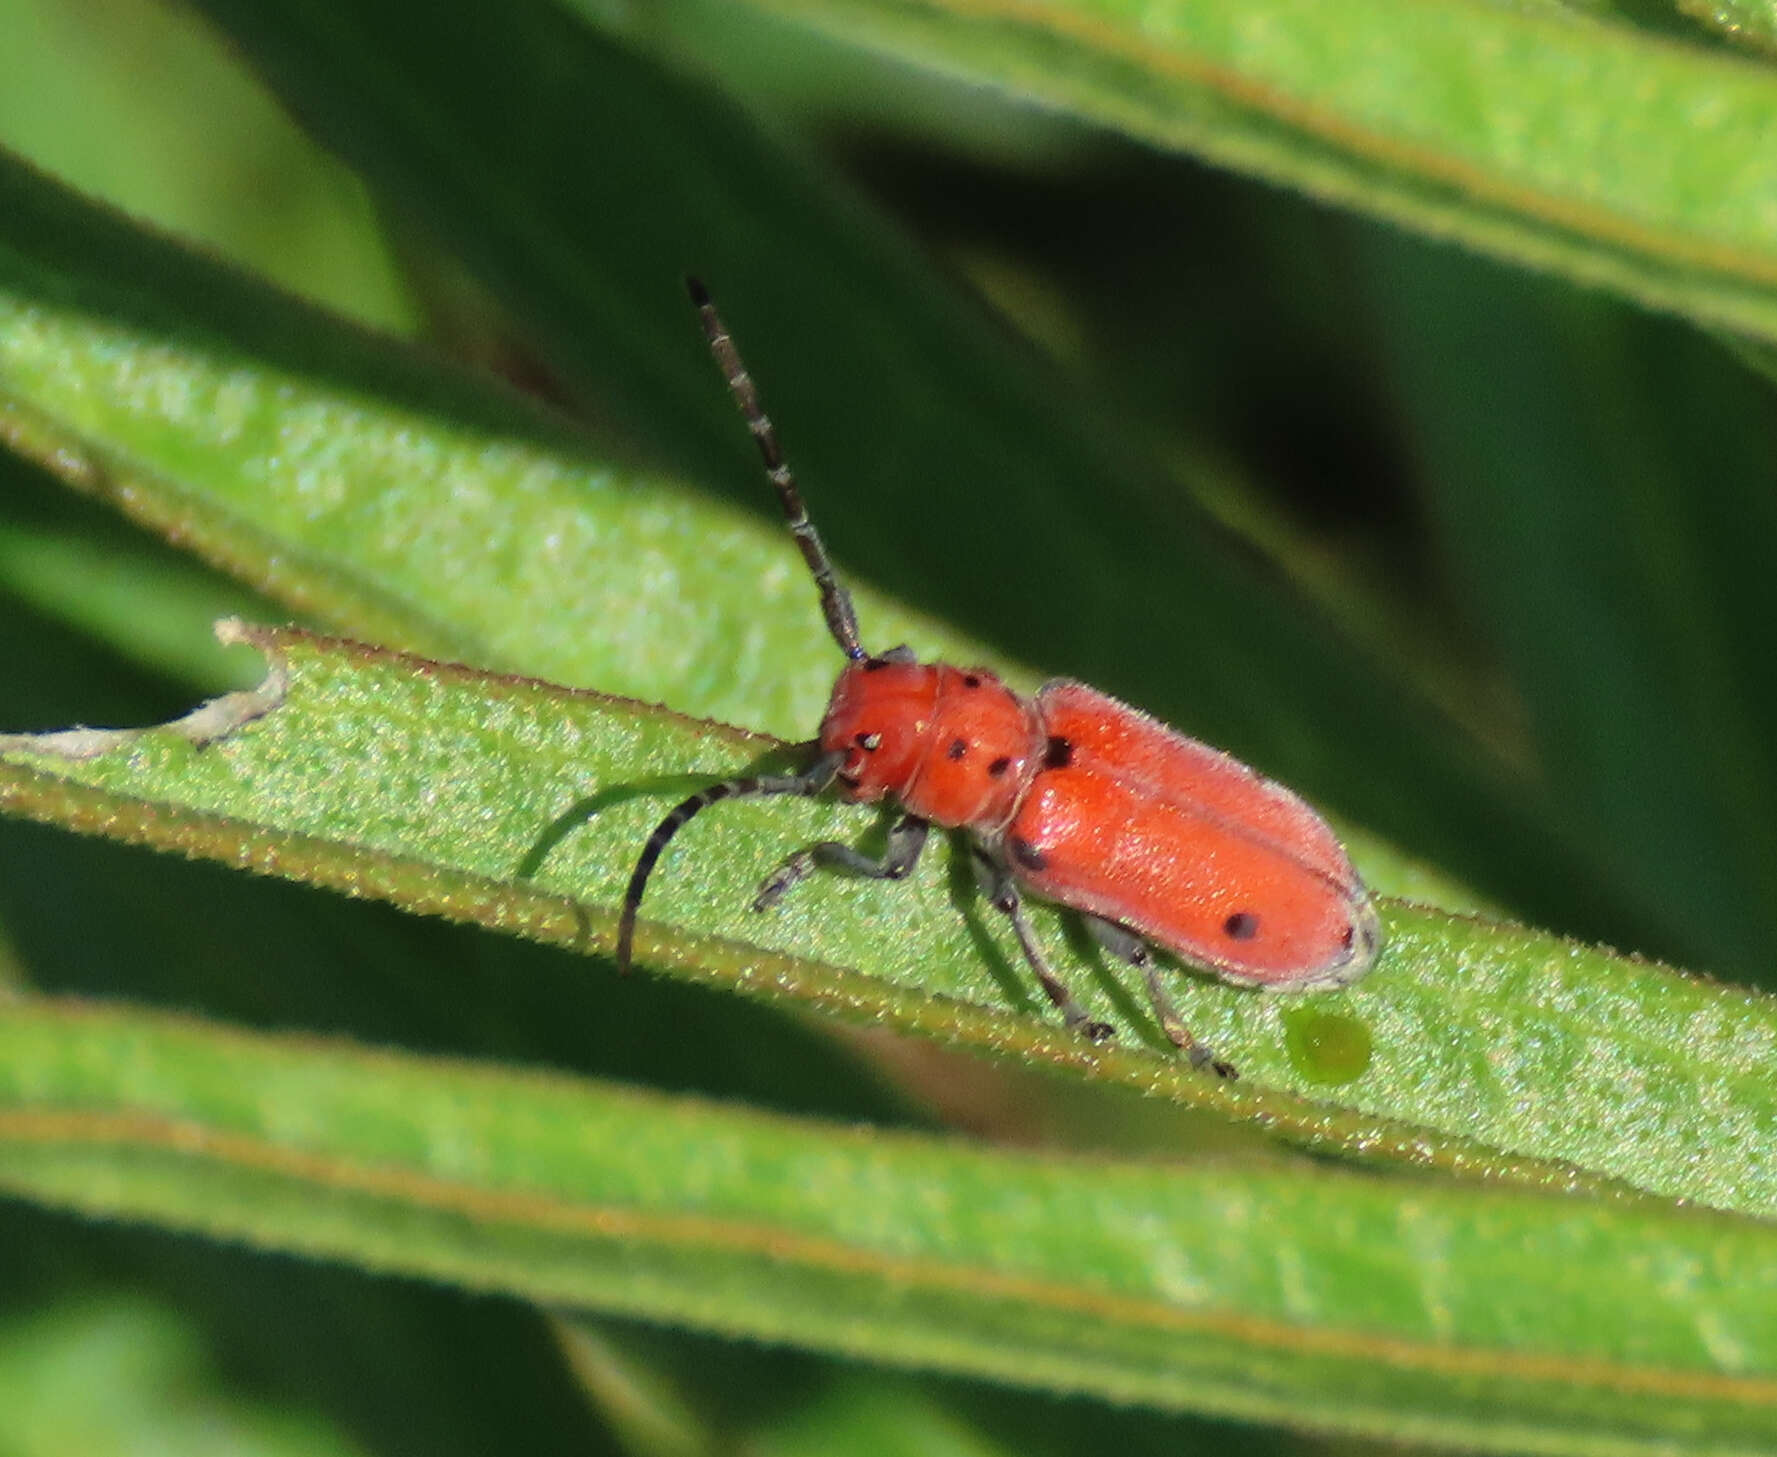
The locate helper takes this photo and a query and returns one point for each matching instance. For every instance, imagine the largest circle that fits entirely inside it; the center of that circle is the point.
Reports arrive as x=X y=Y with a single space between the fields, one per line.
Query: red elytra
x=1071 y=795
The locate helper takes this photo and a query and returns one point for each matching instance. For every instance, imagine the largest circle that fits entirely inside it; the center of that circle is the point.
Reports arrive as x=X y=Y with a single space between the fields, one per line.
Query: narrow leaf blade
x=1587 y=148
x=1338 y=1302
x=515 y=804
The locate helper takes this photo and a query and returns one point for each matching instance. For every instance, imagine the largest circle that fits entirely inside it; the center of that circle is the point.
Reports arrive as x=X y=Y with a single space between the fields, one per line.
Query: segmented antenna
x=810 y=782
x=836 y=606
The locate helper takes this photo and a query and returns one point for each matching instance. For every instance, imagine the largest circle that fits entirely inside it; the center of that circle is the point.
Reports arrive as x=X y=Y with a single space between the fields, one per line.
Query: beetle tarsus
x=1202 y=1057
x=790 y=872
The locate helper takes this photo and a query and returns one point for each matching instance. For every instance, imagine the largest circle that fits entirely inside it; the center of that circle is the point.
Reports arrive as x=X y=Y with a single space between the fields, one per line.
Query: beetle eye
x=869 y=741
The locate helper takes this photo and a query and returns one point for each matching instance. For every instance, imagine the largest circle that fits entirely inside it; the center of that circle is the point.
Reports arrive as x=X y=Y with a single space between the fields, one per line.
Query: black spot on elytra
x=869 y=742
x=998 y=768
x=971 y=680
x=1027 y=854
x=1242 y=925
x=958 y=747
x=1058 y=754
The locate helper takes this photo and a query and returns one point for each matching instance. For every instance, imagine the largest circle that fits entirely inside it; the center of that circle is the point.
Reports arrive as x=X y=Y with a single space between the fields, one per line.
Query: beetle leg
x=1125 y=945
x=997 y=885
x=905 y=840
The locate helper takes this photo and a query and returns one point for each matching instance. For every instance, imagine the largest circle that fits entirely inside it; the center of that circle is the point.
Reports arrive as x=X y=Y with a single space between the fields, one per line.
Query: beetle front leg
x=997 y=885
x=905 y=840
x=1125 y=945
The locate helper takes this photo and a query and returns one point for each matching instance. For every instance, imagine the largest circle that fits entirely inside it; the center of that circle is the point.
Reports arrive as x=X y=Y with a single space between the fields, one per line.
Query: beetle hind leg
x=996 y=884
x=905 y=840
x=1125 y=945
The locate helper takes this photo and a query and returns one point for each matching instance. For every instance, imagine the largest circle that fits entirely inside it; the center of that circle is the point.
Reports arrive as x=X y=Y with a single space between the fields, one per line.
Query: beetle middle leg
x=1125 y=945
x=906 y=839
x=996 y=884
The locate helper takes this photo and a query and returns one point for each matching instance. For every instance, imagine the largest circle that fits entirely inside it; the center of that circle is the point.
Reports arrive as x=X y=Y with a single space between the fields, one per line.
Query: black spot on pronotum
x=971 y=680
x=1027 y=854
x=873 y=665
x=997 y=769
x=1242 y=925
x=1058 y=754
x=958 y=747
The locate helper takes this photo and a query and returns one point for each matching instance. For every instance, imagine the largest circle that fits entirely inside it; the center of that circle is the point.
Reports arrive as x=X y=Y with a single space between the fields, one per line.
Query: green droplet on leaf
x=1326 y=1047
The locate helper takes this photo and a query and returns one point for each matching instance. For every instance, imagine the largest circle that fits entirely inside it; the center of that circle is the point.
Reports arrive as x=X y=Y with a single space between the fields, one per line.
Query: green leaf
x=1649 y=700
x=151 y=603
x=1419 y=1312
x=521 y=806
x=105 y=103
x=123 y=1376
x=1587 y=148
x=1751 y=23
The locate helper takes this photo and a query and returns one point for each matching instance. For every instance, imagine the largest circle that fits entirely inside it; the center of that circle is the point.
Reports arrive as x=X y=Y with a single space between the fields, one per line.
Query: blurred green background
x=1542 y=514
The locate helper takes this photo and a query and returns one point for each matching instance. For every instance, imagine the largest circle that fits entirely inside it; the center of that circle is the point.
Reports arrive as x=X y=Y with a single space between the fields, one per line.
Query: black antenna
x=810 y=782
x=836 y=606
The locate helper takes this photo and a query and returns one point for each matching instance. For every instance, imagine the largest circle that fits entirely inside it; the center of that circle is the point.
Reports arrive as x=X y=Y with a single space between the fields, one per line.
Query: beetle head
x=879 y=718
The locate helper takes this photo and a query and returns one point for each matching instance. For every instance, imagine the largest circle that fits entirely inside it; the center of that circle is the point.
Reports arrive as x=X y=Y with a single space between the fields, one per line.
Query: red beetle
x=1080 y=799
